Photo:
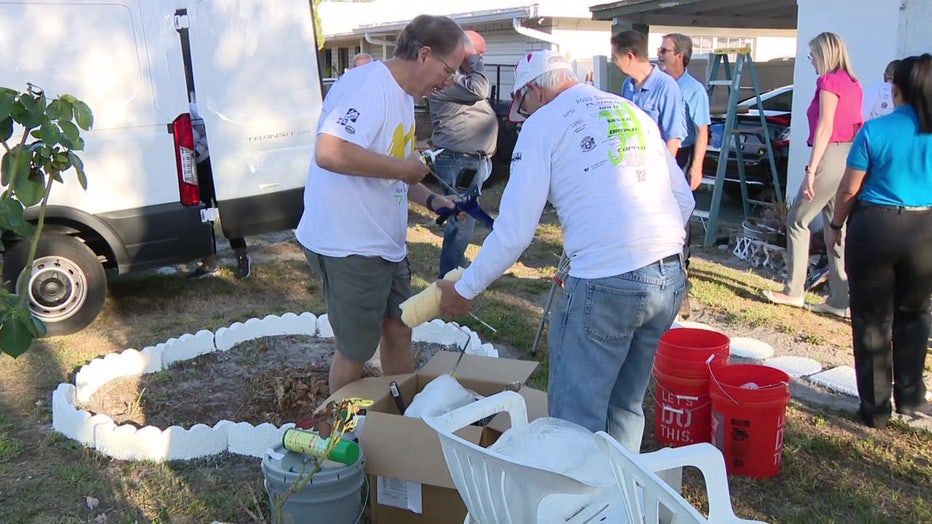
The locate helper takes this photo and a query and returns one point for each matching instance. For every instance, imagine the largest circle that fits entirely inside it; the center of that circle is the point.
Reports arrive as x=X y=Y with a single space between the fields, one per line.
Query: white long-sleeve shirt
x=621 y=199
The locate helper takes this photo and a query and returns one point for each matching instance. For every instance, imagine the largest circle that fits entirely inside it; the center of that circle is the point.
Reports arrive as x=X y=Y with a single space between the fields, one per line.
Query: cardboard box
x=408 y=476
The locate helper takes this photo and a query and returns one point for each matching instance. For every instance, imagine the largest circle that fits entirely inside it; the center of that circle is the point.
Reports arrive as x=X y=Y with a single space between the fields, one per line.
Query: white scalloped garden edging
x=126 y=442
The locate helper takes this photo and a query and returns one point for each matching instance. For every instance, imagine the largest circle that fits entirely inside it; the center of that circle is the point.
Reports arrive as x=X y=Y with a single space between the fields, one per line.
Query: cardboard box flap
x=396 y=446
x=474 y=367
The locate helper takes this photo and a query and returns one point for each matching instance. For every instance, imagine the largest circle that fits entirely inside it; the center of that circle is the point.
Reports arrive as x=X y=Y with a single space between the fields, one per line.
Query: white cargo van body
x=252 y=67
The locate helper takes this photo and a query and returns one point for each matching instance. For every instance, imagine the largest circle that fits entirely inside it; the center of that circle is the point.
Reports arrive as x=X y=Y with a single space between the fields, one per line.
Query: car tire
x=68 y=283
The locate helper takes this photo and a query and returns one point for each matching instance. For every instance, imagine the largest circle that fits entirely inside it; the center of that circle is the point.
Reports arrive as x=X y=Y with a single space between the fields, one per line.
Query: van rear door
x=258 y=91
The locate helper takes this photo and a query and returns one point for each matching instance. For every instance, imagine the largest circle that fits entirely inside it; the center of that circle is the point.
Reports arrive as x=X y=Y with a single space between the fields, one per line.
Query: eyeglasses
x=450 y=71
x=521 y=110
x=664 y=50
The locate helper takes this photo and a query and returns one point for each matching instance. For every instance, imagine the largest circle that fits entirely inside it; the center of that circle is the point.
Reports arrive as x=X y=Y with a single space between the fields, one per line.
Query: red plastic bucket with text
x=749 y=417
x=683 y=407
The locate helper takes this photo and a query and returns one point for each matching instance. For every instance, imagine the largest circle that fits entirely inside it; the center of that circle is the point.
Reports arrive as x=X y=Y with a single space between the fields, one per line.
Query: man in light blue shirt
x=673 y=57
x=649 y=88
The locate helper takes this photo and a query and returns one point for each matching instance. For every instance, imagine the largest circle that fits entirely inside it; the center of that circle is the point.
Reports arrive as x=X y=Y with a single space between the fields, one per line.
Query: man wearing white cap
x=623 y=203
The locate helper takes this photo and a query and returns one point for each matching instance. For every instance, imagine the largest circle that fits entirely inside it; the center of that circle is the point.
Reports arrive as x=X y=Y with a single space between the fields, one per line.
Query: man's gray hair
x=556 y=78
x=682 y=44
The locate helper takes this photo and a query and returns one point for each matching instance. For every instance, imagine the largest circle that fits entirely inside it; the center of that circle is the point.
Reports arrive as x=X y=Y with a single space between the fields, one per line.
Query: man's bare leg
x=395 y=348
x=343 y=371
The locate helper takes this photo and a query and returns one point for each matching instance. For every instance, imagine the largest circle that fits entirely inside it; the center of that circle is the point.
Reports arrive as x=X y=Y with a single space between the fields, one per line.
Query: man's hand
x=452 y=302
x=416 y=171
x=695 y=177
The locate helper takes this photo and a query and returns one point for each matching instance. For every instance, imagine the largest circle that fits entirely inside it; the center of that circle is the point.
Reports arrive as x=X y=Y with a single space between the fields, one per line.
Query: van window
x=86 y=50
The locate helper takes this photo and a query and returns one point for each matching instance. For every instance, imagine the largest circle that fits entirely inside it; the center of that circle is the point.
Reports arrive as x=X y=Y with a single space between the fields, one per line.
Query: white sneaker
x=829 y=310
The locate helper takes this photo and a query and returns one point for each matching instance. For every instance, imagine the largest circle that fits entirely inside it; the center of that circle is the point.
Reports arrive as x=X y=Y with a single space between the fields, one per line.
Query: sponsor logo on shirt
x=351 y=116
x=516 y=157
x=587 y=144
x=350 y=129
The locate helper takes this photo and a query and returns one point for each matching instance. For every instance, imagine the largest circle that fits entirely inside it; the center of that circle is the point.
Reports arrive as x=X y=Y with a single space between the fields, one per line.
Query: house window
x=707 y=44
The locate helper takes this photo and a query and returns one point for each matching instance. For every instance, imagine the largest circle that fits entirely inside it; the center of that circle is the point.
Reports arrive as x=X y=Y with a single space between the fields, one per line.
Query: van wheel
x=68 y=284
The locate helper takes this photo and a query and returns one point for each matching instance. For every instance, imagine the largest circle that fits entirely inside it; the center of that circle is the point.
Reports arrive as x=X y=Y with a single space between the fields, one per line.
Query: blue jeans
x=603 y=338
x=459 y=232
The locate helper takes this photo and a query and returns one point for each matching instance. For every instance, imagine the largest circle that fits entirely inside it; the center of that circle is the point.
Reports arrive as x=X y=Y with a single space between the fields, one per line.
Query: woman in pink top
x=834 y=120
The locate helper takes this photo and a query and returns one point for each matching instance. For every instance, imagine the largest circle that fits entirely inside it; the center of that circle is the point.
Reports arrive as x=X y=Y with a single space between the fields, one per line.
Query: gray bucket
x=333 y=495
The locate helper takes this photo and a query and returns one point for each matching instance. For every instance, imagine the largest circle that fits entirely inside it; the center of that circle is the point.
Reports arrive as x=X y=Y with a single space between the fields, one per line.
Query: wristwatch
x=835 y=226
x=430 y=201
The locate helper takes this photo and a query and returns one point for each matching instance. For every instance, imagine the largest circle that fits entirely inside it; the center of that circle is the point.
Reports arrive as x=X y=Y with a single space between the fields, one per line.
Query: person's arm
x=338 y=155
x=681 y=190
x=421 y=194
x=702 y=144
x=702 y=119
x=470 y=86
x=519 y=214
x=828 y=104
x=672 y=113
x=845 y=198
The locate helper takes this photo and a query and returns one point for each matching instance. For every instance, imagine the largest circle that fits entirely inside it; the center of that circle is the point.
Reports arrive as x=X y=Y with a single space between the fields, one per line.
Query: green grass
x=834 y=470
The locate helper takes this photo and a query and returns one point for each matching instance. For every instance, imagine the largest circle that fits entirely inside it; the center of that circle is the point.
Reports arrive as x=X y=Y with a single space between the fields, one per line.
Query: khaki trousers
x=802 y=213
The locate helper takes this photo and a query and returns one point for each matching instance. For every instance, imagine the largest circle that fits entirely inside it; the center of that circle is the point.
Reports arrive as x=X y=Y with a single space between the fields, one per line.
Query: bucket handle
x=712 y=376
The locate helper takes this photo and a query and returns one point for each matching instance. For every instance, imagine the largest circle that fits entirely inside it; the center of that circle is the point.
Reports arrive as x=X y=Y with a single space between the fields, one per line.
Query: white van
x=252 y=67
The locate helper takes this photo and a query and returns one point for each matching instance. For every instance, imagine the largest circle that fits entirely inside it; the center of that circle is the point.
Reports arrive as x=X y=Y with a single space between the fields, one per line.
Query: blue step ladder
x=733 y=134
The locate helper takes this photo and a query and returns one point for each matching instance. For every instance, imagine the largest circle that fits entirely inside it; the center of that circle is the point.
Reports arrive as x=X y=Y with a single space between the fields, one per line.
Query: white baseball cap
x=529 y=68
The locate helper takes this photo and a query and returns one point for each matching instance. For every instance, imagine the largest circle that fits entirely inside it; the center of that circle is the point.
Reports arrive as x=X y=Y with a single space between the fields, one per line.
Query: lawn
x=834 y=470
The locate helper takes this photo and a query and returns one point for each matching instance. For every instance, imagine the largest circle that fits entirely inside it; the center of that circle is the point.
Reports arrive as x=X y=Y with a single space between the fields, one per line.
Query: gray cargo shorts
x=360 y=293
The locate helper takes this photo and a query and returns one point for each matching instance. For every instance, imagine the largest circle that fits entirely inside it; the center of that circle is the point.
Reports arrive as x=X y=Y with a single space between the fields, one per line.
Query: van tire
x=69 y=278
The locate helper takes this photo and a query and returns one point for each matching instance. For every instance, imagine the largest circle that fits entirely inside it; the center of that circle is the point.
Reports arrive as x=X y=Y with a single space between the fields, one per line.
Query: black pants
x=888 y=258
x=684 y=158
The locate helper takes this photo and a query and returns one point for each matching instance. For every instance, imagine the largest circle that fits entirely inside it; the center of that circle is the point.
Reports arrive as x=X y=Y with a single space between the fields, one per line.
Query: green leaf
x=60 y=161
x=70 y=132
x=15 y=165
x=15 y=335
x=28 y=189
x=58 y=110
x=11 y=218
x=78 y=165
x=6 y=103
x=83 y=115
x=6 y=128
x=22 y=114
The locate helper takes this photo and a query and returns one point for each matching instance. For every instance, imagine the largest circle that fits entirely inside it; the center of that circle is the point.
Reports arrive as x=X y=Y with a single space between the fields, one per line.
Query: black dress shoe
x=873 y=420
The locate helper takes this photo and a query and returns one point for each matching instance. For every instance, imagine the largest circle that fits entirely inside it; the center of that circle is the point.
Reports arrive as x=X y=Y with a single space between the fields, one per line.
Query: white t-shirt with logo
x=354 y=215
x=878 y=100
x=621 y=199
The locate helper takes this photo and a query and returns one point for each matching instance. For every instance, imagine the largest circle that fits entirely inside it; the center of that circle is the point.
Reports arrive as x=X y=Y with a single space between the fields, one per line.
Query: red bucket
x=683 y=408
x=749 y=417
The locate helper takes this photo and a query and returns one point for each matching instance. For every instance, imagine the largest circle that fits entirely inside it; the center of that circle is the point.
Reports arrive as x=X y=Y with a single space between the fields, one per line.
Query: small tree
x=51 y=135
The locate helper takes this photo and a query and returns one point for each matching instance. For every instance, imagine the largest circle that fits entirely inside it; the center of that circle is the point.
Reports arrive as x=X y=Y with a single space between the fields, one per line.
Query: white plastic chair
x=644 y=493
x=502 y=489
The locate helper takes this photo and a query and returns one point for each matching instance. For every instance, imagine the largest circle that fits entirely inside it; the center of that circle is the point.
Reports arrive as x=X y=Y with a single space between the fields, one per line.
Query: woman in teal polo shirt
x=886 y=199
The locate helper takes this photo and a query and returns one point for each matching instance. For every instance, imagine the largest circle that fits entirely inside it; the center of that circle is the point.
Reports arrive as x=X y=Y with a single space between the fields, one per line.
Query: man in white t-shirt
x=878 y=98
x=622 y=202
x=364 y=172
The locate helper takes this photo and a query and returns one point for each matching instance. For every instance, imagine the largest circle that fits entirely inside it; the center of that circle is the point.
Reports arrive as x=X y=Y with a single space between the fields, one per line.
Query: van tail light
x=184 y=160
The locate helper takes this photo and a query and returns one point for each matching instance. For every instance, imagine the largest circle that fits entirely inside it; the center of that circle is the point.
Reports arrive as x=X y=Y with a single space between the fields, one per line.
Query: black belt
x=457 y=154
x=899 y=210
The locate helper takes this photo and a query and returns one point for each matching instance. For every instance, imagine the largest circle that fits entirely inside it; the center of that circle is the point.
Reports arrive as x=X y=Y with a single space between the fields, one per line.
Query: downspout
x=534 y=33
x=384 y=43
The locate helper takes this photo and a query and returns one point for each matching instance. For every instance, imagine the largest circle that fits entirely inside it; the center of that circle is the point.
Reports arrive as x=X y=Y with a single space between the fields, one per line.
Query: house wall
x=891 y=32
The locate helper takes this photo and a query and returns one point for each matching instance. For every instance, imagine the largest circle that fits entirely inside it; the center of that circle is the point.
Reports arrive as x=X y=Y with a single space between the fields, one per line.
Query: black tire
x=68 y=285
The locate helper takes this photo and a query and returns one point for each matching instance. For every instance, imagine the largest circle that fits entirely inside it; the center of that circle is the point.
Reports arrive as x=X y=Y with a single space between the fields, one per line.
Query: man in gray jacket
x=466 y=128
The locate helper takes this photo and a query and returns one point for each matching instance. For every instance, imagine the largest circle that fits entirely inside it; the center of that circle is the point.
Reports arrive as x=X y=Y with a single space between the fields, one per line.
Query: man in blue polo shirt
x=650 y=89
x=672 y=58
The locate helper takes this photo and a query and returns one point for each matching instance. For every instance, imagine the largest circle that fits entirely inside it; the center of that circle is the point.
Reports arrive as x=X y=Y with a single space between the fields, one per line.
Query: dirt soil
x=272 y=379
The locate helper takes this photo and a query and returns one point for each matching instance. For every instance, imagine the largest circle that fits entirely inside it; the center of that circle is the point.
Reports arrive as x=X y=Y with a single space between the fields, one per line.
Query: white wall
x=869 y=29
x=915 y=17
